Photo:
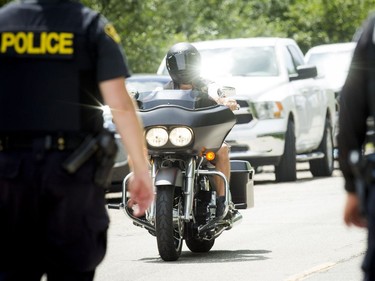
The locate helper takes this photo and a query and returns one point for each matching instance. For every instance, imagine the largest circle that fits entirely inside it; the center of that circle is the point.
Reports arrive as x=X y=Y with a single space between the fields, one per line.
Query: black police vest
x=47 y=69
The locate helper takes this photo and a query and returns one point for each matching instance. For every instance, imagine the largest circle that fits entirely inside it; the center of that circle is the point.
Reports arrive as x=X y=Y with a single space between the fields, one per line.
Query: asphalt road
x=294 y=232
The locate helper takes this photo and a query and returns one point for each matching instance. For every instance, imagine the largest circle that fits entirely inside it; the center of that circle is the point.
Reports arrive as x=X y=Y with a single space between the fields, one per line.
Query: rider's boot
x=220 y=207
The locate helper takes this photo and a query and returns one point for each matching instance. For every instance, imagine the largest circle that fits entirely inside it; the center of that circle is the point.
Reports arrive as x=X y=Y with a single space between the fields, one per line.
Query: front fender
x=168 y=176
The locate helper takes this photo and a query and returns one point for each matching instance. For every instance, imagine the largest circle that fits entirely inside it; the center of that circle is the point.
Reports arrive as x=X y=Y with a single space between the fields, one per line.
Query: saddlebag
x=242 y=184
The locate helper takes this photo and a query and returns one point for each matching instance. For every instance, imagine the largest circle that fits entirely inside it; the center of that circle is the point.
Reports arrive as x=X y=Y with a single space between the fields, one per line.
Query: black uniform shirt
x=355 y=101
x=52 y=56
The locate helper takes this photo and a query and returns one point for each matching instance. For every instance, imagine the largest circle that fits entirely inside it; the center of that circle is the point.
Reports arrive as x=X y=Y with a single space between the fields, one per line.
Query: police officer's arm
x=111 y=70
x=130 y=129
x=127 y=123
x=352 y=122
x=354 y=107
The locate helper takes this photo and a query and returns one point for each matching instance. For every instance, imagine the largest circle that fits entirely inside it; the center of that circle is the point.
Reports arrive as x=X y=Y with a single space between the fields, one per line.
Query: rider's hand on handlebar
x=229 y=102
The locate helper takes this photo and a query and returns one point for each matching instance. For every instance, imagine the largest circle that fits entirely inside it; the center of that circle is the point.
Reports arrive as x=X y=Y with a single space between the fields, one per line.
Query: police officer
x=58 y=59
x=357 y=103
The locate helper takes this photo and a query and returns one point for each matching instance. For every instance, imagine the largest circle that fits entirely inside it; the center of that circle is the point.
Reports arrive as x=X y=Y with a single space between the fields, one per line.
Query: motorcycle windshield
x=174 y=108
x=189 y=99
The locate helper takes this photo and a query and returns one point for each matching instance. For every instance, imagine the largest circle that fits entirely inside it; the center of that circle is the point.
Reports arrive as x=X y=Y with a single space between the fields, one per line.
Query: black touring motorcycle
x=181 y=141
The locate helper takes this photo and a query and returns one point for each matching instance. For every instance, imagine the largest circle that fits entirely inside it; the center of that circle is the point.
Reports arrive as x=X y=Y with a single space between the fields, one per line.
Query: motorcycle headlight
x=269 y=110
x=180 y=136
x=157 y=137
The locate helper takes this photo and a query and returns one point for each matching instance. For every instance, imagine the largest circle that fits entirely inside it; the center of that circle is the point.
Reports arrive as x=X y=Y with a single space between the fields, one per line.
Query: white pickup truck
x=285 y=115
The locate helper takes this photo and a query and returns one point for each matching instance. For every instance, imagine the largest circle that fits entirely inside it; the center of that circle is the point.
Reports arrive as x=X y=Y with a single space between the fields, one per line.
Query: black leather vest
x=47 y=69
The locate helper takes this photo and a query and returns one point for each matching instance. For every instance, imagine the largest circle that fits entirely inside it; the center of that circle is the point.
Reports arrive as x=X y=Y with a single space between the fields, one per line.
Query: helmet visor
x=183 y=61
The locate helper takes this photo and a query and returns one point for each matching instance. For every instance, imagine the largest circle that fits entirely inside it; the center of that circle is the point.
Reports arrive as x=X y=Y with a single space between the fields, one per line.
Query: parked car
x=135 y=83
x=332 y=61
x=285 y=116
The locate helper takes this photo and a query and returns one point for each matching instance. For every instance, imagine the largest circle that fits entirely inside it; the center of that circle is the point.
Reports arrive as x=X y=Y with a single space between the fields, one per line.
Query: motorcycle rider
x=183 y=62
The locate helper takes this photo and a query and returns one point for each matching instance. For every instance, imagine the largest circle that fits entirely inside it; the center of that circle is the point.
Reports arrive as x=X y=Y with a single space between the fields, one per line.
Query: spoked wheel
x=169 y=226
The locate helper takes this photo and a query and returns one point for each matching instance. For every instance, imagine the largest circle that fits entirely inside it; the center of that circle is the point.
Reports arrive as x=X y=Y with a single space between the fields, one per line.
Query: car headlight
x=269 y=110
x=157 y=137
x=180 y=136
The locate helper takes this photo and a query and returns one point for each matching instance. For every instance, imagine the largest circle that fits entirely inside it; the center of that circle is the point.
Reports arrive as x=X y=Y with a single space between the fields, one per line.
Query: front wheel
x=169 y=227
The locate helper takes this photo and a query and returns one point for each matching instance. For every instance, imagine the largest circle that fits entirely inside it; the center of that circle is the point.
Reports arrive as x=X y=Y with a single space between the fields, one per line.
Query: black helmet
x=183 y=63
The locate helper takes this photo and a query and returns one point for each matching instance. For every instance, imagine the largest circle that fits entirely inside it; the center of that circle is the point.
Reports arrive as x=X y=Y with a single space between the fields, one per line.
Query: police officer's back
x=57 y=59
x=47 y=68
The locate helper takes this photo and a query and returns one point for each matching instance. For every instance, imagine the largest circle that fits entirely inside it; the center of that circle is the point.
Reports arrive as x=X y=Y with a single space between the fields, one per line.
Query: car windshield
x=330 y=63
x=239 y=61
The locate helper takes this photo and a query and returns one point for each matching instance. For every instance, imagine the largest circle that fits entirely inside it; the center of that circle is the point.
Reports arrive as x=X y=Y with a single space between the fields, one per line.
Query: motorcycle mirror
x=133 y=93
x=226 y=91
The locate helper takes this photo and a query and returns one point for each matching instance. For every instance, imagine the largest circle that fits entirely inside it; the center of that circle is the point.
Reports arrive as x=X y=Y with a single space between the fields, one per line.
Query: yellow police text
x=43 y=43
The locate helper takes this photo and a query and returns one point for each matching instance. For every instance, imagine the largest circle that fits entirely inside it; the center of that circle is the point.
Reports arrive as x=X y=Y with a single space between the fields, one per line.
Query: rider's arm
x=227 y=101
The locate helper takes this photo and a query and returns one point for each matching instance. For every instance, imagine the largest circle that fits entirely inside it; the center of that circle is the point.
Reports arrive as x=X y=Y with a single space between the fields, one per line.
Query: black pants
x=51 y=222
x=369 y=262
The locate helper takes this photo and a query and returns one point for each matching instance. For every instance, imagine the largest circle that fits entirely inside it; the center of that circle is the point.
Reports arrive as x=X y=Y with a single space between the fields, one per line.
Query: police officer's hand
x=141 y=193
x=351 y=212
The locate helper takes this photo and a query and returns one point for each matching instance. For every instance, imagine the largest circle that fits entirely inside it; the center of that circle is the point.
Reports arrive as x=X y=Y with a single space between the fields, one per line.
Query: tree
x=149 y=27
x=318 y=22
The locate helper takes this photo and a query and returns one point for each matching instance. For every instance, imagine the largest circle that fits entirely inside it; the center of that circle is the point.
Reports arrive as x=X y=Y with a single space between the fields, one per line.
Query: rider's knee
x=223 y=153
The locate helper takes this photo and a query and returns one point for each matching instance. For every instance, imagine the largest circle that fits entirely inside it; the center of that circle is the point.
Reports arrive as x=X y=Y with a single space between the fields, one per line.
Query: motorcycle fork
x=188 y=191
x=155 y=164
x=189 y=188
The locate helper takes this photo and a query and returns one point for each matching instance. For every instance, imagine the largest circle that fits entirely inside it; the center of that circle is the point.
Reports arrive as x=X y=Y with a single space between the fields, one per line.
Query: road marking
x=309 y=272
x=321 y=268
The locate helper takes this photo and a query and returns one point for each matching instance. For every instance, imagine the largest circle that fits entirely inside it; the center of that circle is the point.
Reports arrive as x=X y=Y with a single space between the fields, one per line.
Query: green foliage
x=3 y=2
x=326 y=21
x=149 y=27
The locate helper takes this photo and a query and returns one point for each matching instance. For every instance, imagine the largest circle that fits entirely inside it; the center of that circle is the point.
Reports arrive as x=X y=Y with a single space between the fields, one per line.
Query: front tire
x=323 y=167
x=286 y=170
x=169 y=227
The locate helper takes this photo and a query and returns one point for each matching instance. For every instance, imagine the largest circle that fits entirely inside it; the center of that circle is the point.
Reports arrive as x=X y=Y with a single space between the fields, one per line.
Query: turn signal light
x=210 y=155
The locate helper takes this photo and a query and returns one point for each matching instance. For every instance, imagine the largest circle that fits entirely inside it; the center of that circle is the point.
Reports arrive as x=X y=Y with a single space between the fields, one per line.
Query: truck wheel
x=323 y=167
x=286 y=170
